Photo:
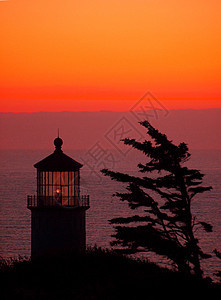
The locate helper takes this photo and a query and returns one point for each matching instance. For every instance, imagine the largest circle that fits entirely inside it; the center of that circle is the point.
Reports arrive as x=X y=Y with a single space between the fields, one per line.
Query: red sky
x=105 y=55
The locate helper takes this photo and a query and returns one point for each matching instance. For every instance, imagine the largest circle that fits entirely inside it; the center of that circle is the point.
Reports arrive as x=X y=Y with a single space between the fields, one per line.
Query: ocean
x=18 y=179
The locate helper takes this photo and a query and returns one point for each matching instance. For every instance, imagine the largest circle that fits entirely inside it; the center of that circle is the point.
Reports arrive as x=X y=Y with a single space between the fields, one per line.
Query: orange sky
x=104 y=55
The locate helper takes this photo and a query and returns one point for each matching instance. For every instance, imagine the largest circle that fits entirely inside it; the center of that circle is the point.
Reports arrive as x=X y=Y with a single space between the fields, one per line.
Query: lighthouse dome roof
x=58 y=161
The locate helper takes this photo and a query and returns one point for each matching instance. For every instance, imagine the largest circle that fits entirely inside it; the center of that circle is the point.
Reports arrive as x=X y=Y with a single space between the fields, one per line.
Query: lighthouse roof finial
x=58 y=142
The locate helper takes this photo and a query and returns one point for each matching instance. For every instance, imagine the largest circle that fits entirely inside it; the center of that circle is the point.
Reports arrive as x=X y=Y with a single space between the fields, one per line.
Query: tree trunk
x=194 y=250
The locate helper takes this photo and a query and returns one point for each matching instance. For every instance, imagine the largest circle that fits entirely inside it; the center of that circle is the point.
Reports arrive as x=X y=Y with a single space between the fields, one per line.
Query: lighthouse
x=58 y=209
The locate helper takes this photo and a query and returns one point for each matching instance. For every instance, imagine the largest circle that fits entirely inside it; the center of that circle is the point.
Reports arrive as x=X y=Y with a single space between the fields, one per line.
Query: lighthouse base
x=57 y=231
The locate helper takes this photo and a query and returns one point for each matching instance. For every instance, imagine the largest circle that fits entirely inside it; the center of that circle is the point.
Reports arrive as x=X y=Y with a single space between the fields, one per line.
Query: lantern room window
x=58 y=187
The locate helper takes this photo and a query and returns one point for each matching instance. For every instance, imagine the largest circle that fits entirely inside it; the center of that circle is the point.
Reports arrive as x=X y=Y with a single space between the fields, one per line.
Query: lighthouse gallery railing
x=49 y=201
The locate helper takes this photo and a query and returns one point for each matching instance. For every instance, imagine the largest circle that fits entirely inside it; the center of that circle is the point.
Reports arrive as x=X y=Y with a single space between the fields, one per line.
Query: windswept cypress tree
x=166 y=226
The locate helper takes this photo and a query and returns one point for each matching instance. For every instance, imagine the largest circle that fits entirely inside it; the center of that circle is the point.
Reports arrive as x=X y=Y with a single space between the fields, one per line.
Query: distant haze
x=81 y=130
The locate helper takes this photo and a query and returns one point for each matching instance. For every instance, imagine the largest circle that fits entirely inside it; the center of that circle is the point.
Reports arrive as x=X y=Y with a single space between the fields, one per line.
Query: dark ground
x=98 y=274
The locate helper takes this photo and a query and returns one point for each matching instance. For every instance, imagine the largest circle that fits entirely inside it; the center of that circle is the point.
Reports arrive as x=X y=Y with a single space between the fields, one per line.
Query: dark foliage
x=98 y=274
x=167 y=226
x=218 y=254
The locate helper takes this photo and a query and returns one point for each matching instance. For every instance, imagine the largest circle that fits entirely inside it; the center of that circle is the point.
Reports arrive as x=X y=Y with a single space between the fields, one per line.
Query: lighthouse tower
x=58 y=209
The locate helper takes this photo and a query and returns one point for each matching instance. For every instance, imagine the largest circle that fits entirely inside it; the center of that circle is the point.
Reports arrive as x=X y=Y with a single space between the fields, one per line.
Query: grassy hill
x=98 y=274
